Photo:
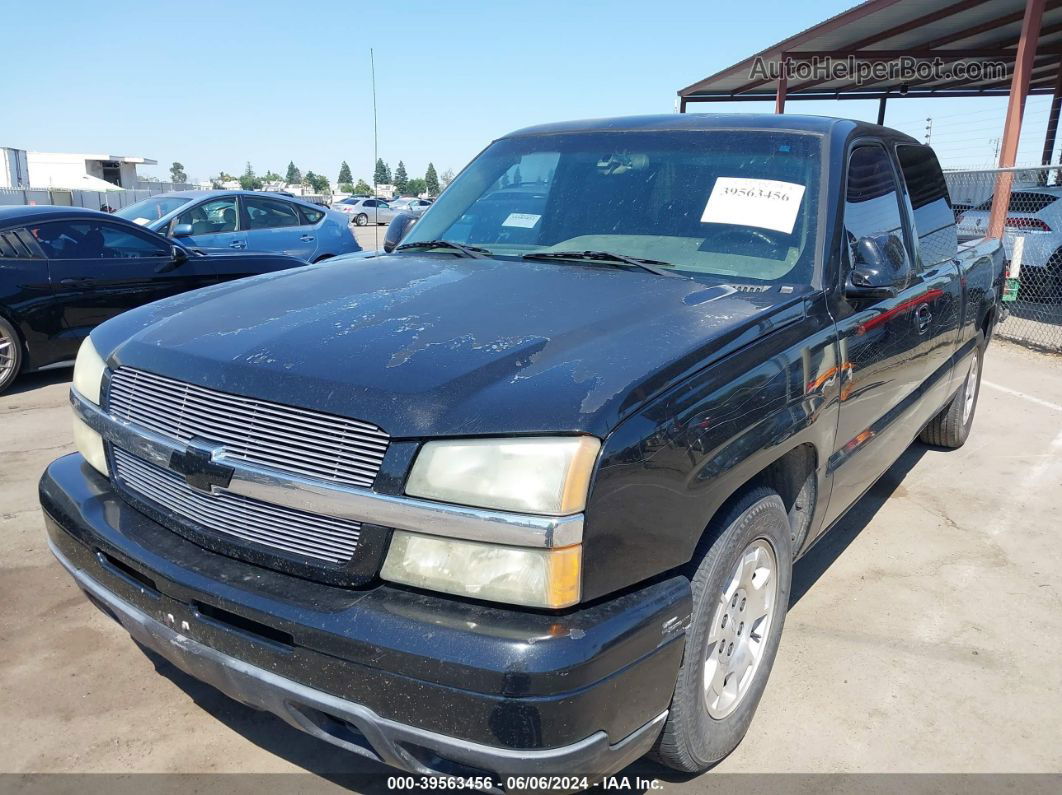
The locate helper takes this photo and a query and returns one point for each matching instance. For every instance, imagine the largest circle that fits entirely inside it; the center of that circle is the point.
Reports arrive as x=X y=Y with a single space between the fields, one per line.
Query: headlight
x=88 y=379
x=90 y=445
x=548 y=475
x=514 y=575
x=88 y=371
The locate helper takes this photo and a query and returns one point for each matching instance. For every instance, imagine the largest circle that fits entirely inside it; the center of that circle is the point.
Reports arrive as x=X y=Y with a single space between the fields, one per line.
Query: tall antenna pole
x=375 y=150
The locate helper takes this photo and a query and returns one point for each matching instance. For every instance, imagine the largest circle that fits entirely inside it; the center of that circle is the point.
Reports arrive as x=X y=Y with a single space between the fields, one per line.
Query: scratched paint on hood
x=438 y=345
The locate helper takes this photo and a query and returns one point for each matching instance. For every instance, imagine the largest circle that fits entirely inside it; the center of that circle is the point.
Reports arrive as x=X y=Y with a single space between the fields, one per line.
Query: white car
x=1034 y=214
x=413 y=206
x=362 y=211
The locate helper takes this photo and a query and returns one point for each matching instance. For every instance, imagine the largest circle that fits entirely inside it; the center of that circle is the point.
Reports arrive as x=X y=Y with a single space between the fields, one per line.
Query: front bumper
x=423 y=683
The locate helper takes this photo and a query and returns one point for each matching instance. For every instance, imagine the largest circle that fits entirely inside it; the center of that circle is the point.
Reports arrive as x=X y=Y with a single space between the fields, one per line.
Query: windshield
x=152 y=209
x=732 y=204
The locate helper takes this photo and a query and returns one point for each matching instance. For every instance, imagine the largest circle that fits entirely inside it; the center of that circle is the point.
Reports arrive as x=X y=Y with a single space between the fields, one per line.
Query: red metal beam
x=1019 y=87
x=780 y=91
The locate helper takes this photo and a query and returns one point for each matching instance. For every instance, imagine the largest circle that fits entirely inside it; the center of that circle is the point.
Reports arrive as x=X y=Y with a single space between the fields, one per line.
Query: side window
x=93 y=240
x=121 y=243
x=310 y=216
x=269 y=213
x=211 y=217
x=872 y=209
x=19 y=244
x=934 y=219
x=369 y=203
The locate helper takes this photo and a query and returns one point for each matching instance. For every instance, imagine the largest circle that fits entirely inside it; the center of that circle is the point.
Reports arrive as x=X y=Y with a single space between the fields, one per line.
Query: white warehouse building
x=76 y=170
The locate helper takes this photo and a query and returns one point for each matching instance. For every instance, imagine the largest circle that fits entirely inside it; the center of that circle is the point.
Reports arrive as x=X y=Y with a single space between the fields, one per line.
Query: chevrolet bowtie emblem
x=199 y=469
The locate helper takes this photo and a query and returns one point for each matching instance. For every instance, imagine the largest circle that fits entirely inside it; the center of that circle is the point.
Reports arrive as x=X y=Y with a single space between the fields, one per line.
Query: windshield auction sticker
x=766 y=203
x=526 y=220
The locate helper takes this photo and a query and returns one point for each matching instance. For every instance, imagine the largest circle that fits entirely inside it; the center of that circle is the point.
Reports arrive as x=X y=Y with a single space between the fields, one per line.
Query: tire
x=10 y=354
x=951 y=427
x=702 y=727
x=361 y=219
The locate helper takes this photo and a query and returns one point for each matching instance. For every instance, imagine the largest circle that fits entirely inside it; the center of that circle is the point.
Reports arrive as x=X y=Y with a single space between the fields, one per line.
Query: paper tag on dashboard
x=525 y=220
x=765 y=203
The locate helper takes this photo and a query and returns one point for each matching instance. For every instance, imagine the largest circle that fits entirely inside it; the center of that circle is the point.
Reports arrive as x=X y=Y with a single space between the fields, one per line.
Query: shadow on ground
x=32 y=381
x=364 y=775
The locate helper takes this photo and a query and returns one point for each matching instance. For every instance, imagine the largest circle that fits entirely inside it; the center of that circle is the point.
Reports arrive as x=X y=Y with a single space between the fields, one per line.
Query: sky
x=217 y=84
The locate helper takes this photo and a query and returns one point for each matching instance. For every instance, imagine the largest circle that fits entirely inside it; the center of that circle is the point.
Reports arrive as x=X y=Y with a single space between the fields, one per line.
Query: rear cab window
x=932 y=213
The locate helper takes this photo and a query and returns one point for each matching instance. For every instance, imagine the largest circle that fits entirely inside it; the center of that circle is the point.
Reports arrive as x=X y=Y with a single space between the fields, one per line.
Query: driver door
x=215 y=223
x=99 y=269
x=882 y=362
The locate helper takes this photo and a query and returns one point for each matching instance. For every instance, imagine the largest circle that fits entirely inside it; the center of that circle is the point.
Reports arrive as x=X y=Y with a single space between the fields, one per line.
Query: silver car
x=413 y=206
x=364 y=211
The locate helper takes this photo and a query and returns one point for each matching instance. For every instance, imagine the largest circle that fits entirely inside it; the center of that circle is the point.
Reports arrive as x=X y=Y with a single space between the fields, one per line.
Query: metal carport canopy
x=1023 y=35
x=968 y=30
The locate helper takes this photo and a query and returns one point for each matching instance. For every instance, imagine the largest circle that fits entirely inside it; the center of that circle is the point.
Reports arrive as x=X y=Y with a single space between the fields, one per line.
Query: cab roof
x=823 y=125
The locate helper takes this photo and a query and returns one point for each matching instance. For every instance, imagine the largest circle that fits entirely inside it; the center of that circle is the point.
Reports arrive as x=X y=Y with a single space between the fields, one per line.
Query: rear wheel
x=361 y=219
x=952 y=426
x=10 y=354
x=740 y=596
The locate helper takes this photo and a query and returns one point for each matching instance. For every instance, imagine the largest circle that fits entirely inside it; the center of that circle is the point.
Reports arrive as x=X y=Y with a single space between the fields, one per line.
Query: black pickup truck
x=523 y=497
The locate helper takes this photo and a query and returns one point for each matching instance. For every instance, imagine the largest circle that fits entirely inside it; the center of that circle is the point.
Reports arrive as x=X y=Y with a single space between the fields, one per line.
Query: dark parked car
x=523 y=497
x=65 y=270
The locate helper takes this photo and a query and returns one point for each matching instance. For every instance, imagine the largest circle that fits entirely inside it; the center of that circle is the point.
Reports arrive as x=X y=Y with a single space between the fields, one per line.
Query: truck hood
x=436 y=345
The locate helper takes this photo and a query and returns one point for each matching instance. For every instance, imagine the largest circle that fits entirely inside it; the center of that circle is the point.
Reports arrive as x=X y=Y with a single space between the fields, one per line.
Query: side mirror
x=178 y=256
x=875 y=272
x=396 y=230
x=182 y=230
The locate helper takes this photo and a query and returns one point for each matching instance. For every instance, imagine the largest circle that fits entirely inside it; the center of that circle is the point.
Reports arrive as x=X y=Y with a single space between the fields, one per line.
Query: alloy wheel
x=740 y=628
x=970 y=393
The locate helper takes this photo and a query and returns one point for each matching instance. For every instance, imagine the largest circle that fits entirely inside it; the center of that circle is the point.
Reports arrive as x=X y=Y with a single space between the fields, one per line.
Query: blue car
x=246 y=221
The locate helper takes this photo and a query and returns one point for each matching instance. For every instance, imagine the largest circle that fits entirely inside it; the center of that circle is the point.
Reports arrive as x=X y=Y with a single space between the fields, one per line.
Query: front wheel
x=740 y=596
x=10 y=354
x=951 y=427
x=361 y=219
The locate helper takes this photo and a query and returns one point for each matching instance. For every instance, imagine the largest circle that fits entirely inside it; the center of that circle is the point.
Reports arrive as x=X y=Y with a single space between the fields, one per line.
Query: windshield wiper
x=605 y=256
x=465 y=251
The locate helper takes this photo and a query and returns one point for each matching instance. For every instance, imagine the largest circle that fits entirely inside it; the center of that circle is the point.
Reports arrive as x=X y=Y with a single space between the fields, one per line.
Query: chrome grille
x=320 y=537
x=294 y=440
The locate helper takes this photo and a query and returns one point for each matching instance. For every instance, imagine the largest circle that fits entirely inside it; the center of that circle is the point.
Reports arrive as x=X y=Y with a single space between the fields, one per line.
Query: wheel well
x=784 y=475
x=988 y=322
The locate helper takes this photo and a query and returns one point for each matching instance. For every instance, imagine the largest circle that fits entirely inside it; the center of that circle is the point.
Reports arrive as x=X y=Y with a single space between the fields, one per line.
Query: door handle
x=306 y=238
x=923 y=317
x=75 y=282
x=237 y=244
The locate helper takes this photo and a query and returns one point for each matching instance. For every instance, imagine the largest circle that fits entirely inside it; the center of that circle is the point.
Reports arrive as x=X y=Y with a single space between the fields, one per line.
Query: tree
x=271 y=176
x=517 y=178
x=431 y=180
x=363 y=187
x=446 y=178
x=416 y=186
x=344 y=177
x=318 y=183
x=382 y=174
x=221 y=179
x=249 y=181
x=293 y=176
x=177 y=173
x=401 y=177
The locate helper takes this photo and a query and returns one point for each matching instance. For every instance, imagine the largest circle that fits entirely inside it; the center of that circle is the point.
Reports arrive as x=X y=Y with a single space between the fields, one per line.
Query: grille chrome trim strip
x=301 y=441
x=343 y=501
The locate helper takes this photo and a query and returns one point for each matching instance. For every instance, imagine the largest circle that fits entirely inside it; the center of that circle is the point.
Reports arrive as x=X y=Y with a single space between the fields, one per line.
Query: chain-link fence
x=1032 y=244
